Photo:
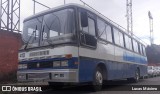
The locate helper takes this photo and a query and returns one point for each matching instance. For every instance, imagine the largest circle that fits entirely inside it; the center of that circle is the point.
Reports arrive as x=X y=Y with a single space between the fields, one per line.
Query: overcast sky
x=113 y=9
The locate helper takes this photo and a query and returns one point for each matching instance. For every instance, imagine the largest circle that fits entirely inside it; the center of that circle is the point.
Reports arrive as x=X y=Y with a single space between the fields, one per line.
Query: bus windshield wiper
x=47 y=38
x=33 y=33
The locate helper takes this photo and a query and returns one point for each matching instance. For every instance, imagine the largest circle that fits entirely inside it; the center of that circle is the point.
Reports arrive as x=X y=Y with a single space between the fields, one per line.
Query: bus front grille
x=40 y=65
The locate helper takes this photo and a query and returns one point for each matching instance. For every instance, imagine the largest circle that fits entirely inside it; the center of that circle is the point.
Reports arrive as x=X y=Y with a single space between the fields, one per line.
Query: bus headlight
x=56 y=63
x=60 y=63
x=22 y=66
x=64 y=63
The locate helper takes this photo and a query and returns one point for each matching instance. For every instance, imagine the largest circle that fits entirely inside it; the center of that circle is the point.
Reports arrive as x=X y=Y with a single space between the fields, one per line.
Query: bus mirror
x=84 y=19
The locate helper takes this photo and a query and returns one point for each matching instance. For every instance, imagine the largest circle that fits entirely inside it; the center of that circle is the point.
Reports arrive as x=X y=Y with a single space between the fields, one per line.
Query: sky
x=114 y=10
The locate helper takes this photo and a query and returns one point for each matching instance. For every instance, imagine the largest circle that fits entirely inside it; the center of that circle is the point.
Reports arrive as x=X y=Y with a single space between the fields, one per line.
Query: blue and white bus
x=75 y=44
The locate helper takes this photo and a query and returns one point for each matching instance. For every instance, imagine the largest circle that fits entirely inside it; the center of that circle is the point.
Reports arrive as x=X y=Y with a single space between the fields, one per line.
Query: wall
x=10 y=42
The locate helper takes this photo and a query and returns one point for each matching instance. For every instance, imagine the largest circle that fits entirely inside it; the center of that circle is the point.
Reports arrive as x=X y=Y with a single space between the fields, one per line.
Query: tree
x=153 y=53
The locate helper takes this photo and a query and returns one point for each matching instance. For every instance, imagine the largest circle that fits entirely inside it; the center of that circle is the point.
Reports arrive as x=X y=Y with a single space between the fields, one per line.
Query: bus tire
x=136 y=78
x=55 y=85
x=98 y=79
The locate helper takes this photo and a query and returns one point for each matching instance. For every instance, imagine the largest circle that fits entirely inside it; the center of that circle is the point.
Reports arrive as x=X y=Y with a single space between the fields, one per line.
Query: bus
x=73 y=44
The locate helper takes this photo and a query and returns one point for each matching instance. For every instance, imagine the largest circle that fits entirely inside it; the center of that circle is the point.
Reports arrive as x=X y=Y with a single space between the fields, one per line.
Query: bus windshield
x=38 y=31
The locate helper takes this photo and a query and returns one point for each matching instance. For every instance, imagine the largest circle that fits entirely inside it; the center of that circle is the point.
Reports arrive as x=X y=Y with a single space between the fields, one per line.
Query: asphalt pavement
x=117 y=87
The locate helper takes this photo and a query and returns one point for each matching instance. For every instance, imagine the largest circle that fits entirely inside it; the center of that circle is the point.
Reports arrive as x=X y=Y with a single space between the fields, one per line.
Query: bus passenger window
x=140 y=49
x=101 y=29
x=144 y=50
x=109 y=33
x=135 y=46
x=128 y=42
x=116 y=36
x=121 y=41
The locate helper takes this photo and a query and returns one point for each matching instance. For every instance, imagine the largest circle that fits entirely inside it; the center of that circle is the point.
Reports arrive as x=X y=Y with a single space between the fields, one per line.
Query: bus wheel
x=98 y=79
x=136 y=78
x=55 y=85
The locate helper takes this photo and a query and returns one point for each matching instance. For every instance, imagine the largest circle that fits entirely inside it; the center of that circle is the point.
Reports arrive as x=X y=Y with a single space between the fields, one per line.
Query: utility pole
x=151 y=27
x=64 y=2
x=34 y=5
x=10 y=15
x=129 y=16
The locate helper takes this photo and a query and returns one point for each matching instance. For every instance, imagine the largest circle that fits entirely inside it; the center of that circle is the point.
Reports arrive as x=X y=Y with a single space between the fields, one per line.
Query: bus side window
x=118 y=37
x=144 y=50
x=109 y=33
x=135 y=46
x=121 y=39
x=126 y=41
x=104 y=30
x=139 y=48
x=101 y=29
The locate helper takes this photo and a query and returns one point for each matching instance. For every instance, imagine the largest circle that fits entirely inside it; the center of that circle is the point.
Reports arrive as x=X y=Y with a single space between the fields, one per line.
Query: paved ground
x=110 y=89
x=124 y=88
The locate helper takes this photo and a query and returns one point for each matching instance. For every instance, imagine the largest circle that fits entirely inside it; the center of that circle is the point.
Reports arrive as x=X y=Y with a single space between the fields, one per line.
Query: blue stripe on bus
x=133 y=58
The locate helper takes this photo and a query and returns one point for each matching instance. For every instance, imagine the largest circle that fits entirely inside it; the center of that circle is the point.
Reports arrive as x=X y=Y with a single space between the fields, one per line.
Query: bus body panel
x=119 y=62
x=90 y=58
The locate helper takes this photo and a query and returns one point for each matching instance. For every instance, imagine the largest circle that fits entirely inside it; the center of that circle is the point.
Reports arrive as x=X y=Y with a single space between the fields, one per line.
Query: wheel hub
x=99 y=77
x=137 y=76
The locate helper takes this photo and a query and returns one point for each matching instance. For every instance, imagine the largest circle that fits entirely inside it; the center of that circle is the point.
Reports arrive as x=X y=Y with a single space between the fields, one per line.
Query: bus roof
x=86 y=8
x=53 y=9
x=80 y=6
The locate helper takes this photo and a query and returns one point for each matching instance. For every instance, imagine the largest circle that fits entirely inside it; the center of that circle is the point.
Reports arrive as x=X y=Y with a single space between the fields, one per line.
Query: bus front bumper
x=54 y=75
